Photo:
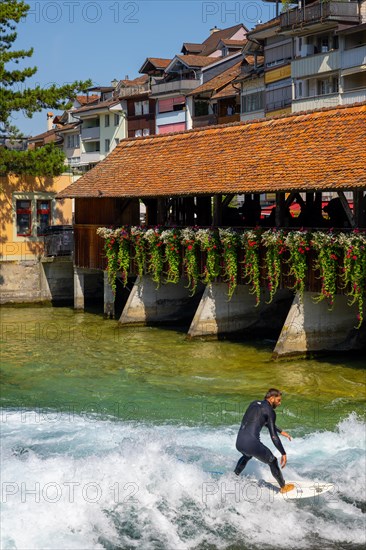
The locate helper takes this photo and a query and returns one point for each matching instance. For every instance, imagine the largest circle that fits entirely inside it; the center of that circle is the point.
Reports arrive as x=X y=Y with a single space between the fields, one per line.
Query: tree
x=43 y=161
x=14 y=97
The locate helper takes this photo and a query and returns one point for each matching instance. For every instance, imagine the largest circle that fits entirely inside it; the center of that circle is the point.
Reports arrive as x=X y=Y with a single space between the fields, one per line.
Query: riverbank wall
x=45 y=280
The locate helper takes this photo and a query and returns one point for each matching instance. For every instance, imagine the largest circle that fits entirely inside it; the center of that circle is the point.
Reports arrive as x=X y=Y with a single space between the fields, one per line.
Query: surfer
x=257 y=415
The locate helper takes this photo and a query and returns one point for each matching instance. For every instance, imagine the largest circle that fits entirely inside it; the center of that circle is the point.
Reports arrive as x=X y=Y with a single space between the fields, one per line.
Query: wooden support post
x=151 y=211
x=280 y=209
x=217 y=215
x=204 y=214
x=189 y=210
x=358 y=208
x=346 y=208
x=161 y=213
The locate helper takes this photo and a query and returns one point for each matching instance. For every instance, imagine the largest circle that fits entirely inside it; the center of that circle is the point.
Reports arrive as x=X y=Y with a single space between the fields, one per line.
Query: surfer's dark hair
x=272 y=392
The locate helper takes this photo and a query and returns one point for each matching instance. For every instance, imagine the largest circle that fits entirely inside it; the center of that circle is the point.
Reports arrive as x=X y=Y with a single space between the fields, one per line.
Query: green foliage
x=171 y=239
x=14 y=96
x=230 y=243
x=123 y=256
x=44 y=161
x=190 y=259
x=327 y=262
x=337 y=256
x=251 y=242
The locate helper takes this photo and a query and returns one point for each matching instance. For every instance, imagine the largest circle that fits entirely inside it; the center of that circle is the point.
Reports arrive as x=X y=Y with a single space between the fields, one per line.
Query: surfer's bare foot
x=286 y=488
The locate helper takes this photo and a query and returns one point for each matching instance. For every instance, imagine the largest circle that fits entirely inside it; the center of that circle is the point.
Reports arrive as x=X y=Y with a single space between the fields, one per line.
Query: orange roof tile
x=317 y=150
x=219 y=81
x=159 y=62
x=98 y=105
x=197 y=60
x=228 y=42
x=226 y=91
x=83 y=99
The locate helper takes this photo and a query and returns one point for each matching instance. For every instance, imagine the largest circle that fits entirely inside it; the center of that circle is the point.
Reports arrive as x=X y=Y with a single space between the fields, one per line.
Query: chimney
x=214 y=29
x=126 y=77
x=49 y=121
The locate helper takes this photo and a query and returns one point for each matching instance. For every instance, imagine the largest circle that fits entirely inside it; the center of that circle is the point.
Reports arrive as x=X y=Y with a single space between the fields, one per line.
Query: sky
x=108 y=39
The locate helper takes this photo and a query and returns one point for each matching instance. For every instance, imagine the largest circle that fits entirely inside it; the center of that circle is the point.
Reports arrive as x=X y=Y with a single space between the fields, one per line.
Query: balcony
x=87 y=158
x=204 y=120
x=319 y=13
x=228 y=119
x=180 y=86
x=353 y=58
x=315 y=64
x=90 y=134
x=129 y=91
x=315 y=102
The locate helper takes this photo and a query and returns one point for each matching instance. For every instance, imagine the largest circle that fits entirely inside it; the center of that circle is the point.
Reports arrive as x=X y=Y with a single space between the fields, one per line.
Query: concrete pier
x=108 y=298
x=311 y=327
x=170 y=303
x=79 y=289
x=217 y=315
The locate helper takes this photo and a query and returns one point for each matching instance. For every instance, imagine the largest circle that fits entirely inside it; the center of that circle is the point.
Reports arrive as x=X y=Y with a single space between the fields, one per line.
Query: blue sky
x=107 y=39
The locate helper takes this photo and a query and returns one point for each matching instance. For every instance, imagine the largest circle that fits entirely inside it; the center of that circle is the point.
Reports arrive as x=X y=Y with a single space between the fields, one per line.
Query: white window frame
x=33 y=197
x=106 y=121
x=107 y=145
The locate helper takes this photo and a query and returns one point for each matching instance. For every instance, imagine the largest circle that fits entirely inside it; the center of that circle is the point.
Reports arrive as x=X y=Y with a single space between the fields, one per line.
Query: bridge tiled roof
x=309 y=151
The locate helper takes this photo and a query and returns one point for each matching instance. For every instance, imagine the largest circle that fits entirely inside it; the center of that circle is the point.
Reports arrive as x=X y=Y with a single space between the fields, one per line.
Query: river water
x=119 y=439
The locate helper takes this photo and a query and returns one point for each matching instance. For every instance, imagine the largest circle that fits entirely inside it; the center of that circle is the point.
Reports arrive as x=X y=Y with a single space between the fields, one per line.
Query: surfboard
x=303 y=490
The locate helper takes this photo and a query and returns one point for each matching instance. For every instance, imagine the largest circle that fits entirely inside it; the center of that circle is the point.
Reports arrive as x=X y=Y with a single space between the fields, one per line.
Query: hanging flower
x=156 y=254
x=327 y=263
x=111 y=248
x=171 y=239
x=354 y=270
x=190 y=259
x=251 y=242
x=123 y=257
x=139 y=244
x=230 y=241
x=274 y=242
x=298 y=245
x=210 y=243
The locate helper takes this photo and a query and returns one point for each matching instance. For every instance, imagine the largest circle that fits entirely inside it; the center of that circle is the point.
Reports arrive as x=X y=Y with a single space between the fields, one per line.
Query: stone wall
x=32 y=281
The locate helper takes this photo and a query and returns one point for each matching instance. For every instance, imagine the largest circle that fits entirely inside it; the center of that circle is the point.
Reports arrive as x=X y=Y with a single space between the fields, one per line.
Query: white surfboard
x=303 y=490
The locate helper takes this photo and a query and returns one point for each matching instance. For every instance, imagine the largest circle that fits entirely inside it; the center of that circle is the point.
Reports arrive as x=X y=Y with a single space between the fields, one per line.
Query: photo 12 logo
x=252 y=11
x=71 y=11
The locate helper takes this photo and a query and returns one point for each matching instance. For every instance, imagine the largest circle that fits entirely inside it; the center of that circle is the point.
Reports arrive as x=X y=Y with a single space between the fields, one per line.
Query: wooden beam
x=227 y=200
x=217 y=213
x=280 y=209
x=358 y=207
x=161 y=214
x=347 y=209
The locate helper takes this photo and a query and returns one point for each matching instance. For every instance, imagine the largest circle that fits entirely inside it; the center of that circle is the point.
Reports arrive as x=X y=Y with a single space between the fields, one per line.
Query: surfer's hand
x=286 y=435
x=283 y=461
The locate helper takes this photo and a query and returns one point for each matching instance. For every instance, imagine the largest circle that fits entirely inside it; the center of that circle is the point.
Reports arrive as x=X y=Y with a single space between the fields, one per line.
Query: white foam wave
x=81 y=483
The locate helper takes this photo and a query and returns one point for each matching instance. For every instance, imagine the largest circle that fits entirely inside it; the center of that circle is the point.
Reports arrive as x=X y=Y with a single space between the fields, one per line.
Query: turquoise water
x=141 y=423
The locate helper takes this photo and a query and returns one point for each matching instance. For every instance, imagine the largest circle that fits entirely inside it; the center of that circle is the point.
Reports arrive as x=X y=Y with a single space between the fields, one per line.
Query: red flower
x=190 y=247
x=354 y=257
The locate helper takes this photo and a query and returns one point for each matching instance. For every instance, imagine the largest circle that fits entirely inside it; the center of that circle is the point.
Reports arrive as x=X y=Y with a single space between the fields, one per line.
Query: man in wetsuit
x=257 y=415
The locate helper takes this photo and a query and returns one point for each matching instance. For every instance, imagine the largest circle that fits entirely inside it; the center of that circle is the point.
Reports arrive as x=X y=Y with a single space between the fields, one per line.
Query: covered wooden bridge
x=189 y=179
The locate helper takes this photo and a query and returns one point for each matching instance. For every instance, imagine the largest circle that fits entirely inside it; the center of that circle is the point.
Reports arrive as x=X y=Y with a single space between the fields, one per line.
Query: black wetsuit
x=257 y=415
